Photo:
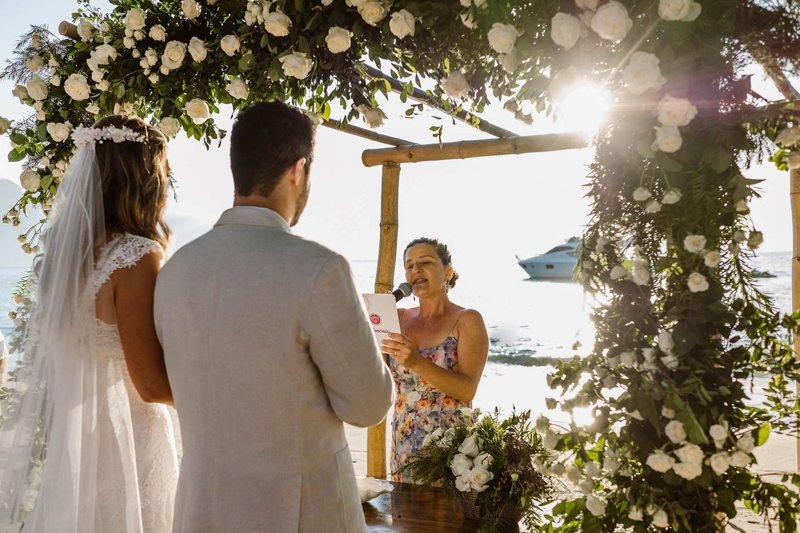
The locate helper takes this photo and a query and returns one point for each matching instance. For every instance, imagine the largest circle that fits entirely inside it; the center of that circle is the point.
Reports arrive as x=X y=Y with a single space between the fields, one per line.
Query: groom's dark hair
x=266 y=140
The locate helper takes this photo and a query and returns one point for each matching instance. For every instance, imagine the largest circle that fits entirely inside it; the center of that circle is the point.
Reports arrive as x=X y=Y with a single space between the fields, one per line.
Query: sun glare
x=582 y=109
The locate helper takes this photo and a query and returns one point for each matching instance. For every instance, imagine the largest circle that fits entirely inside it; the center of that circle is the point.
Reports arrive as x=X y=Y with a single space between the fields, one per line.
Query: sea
x=527 y=320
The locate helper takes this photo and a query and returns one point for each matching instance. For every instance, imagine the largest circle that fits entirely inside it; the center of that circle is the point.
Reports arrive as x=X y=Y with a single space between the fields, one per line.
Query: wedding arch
x=683 y=327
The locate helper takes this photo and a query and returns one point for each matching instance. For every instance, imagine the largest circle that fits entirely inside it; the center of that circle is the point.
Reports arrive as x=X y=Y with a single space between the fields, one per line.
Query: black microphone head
x=406 y=288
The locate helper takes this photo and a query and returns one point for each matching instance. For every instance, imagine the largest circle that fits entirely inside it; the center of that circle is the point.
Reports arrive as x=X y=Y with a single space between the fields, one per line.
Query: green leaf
x=763 y=433
x=41 y=132
x=16 y=155
x=18 y=138
x=722 y=161
x=694 y=430
x=246 y=62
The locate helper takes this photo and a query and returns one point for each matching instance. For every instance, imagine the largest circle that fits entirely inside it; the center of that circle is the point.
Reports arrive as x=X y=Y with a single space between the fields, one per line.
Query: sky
x=486 y=209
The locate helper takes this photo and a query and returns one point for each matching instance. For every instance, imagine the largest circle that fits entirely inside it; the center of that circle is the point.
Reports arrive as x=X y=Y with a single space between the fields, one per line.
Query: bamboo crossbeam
x=69 y=30
x=421 y=96
x=366 y=134
x=466 y=149
x=794 y=195
x=384 y=279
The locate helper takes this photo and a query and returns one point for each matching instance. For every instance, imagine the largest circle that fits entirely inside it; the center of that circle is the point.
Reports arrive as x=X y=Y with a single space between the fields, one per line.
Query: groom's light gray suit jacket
x=268 y=350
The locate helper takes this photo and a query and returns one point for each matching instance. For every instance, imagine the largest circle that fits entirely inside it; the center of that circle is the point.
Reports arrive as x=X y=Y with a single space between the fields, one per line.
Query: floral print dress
x=420 y=408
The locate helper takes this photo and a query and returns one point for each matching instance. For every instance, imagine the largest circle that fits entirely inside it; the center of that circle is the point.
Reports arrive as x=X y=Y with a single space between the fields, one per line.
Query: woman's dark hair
x=268 y=138
x=441 y=251
x=135 y=180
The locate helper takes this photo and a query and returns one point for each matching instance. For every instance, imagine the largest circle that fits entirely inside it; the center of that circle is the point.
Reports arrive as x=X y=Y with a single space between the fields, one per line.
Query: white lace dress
x=156 y=457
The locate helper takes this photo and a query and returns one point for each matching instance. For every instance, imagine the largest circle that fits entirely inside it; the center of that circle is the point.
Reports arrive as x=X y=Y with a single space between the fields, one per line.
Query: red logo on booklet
x=375 y=319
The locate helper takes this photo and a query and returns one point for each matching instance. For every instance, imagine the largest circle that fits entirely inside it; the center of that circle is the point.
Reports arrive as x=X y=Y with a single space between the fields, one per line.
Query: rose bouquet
x=490 y=460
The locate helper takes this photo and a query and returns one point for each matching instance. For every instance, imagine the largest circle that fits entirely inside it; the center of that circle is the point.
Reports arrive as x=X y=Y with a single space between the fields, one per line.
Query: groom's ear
x=298 y=171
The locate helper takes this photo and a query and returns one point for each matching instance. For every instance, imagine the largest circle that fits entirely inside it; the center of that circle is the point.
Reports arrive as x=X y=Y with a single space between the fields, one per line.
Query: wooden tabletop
x=412 y=508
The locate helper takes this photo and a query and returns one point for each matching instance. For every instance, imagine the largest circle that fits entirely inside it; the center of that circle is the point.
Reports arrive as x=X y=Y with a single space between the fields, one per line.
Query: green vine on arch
x=682 y=329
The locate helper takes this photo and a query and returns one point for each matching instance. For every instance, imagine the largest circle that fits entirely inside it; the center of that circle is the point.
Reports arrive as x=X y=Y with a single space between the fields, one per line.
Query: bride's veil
x=49 y=437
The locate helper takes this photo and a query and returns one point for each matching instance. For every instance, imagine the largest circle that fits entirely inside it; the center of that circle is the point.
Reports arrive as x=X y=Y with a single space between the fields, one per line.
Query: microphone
x=402 y=290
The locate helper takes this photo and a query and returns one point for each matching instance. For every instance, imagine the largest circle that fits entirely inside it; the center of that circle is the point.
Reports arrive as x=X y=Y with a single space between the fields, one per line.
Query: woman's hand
x=402 y=349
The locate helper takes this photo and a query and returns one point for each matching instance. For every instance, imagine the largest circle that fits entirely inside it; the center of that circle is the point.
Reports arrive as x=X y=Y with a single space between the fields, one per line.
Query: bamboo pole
x=794 y=195
x=465 y=149
x=384 y=278
x=69 y=30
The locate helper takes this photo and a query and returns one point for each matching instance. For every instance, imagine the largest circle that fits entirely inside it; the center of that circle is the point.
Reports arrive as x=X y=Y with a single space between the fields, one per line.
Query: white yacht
x=558 y=263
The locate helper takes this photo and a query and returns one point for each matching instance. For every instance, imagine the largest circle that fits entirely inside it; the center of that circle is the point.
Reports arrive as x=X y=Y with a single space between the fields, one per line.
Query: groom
x=268 y=351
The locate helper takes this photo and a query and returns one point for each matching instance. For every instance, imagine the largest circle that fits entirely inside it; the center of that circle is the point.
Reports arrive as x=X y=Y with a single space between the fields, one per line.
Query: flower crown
x=84 y=136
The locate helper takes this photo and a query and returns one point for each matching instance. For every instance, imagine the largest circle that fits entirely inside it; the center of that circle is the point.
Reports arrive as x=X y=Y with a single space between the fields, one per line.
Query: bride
x=83 y=448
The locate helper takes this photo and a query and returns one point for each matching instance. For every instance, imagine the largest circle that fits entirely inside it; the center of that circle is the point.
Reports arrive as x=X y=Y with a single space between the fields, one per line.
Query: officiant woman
x=438 y=358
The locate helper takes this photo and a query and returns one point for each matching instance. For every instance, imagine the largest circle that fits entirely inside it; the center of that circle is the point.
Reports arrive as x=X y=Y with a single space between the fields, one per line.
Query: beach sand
x=777 y=456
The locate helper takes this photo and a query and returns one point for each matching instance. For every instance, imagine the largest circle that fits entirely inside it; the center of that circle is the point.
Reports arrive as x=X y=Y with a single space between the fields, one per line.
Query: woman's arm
x=134 y=289
x=473 y=349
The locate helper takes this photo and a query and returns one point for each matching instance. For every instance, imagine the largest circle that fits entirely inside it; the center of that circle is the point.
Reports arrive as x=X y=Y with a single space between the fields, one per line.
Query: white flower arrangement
x=296 y=65
x=277 y=24
x=198 y=110
x=402 y=24
x=611 y=21
x=338 y=39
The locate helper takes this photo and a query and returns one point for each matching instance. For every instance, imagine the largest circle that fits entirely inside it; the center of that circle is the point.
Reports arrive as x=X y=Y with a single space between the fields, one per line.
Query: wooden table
x=415 y=509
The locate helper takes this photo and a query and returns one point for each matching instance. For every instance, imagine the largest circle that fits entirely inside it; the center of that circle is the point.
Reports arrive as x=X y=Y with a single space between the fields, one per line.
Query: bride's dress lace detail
x=156 y=463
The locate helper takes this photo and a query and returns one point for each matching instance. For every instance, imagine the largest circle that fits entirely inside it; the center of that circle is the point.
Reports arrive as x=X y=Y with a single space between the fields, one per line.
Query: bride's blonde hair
x=135 y=180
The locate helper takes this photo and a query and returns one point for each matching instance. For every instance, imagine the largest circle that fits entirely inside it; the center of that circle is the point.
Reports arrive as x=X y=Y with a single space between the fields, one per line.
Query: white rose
x=134 y=19
x=104 y=54
x=755 y=239
x=479 y=477
x=483 y=460
x=462 y=484
x=611 y=21
x=97 y=75
x=479 y=3
x=660 y=461
x=105 y=27
x=173 y=55
x=153 y=78
x=636 y=514
x=746 y=442
x=618 y=272
x=712 y=259
x=652 y=207
x=595 y=505
x=683 y=10
x=372 y=115
x=642 y=73
x=191 y=9
x=468 y=20
x=94 y=109
x=158 y=33
x=230 y=44
x=641 y=194
x=238 y=89
x=666 y=342
x=36 y=88
x=198 y=110
x=741 y=206
x=77 y=87
x=296 y=65
x=666 y=412
x=740 y=459
x=34 y=63
x=788 y=137
x=509 y=61
x=326 y=2
x=5 y=124
x=372 y=12
x=668 y=139
x=694 y=243
x=30 y=180
x=793 y=160
x=502 y=37
x=697 y=282
x=613 y=361
x=197 y=49
x=277 y=24
x=565 y=30
x=129 y=42
x=550 y=440
x=456 y=85
x=402 y=24
x=672 y=196
x=469 y=446
x=138 y=35
x=670 y=361
x=660 y=519
x=85 y=30
x=150 y=58
x=461 y=464
x=20 y=92
x=59 y=131
x=688 y=471
x=169 y=126
x=675 y=432
x=338 y=39
x=690 y=453
x=465 y=3
x=720 y=463
x=675 y=111
x=136 y=53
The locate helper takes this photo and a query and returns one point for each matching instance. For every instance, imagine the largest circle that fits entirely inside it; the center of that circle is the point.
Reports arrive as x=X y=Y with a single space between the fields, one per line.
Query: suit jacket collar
x=247 y=215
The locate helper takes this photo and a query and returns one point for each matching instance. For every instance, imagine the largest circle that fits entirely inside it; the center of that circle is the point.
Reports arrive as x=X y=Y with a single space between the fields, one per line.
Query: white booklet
x=382 y=312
